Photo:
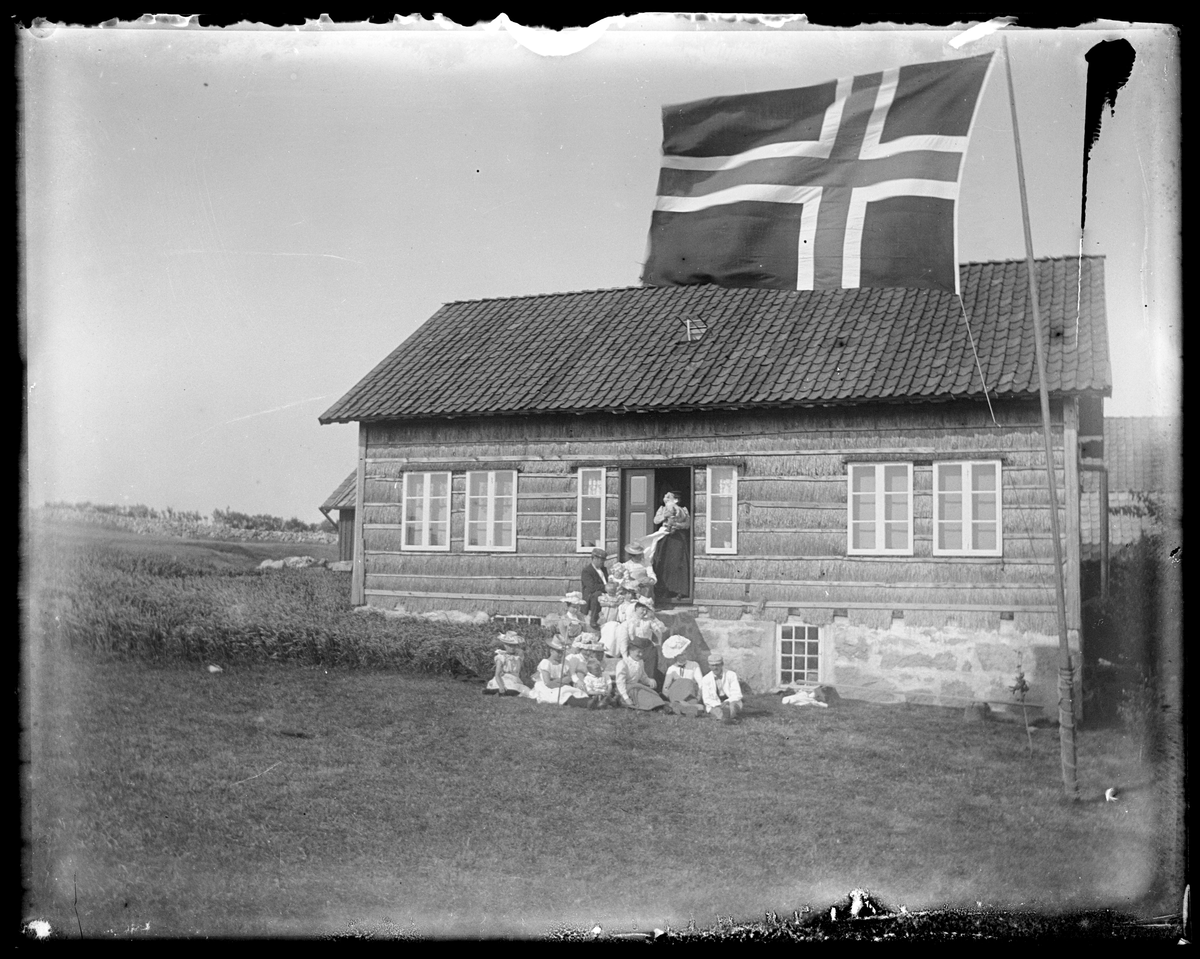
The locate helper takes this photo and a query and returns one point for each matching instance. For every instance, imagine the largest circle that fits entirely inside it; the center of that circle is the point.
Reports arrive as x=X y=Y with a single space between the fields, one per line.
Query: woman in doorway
x=672 y=564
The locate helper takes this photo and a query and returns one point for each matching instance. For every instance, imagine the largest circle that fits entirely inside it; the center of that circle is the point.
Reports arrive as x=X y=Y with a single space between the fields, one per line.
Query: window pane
x=720 y=535
x=505 y=481
x=895 y=479
x=722 y=509
x=896 y=536
x=862 y=508
x=589 y=511
x=950 y=478
x=983 y=476
x=412 y=534
x=864 y=536
x=502 y=535
x=591 y=482
x=862 y=479
x=985 y=535
x=895 y=507
x=722 y=480
x=413 y=510
x=476 y=534
x=951 y=507
x=985 y=507
x=950 y=536
x=589 y=534
x=439 y=484
x=476 y=510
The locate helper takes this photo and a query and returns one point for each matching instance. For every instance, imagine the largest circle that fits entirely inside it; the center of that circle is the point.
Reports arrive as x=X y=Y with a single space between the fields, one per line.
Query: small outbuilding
x=865 y=468
x=342 y=500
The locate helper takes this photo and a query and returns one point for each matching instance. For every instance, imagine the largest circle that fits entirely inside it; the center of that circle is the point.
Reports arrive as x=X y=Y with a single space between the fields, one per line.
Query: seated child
x=609 y=603
x=597 y=685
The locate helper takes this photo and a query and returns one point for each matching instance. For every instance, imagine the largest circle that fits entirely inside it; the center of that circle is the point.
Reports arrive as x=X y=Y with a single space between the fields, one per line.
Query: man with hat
x=720 y=690
x=594 y=578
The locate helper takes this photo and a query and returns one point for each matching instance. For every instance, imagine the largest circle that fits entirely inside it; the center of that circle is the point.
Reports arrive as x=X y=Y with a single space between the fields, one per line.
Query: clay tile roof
x=343 y=496
x=530 y=354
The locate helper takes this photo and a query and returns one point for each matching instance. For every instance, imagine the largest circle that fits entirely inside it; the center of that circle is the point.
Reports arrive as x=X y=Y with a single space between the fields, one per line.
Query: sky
x=224 y=230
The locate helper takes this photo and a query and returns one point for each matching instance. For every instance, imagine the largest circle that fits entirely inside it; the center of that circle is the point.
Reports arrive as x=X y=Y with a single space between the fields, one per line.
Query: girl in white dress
x=553 y=684
x=506 y=680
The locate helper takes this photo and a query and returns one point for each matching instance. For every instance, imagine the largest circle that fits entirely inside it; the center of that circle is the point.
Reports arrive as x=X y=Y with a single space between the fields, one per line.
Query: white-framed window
x=720 y=510
x=426 y=508
x=491 y=511
x=590 y=509
x=880 y=508
x=966 y=509
x=799 y=655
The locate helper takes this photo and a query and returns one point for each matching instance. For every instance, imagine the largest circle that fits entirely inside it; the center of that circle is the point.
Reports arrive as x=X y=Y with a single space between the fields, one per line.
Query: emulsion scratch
x=250 y=416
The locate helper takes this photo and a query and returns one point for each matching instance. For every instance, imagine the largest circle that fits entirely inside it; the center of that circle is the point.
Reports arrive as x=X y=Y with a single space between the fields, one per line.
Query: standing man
x=720 y=690
x=593 y=579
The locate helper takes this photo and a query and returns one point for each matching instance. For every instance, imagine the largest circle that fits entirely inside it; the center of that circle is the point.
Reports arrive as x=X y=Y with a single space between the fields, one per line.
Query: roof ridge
x=1064 y=258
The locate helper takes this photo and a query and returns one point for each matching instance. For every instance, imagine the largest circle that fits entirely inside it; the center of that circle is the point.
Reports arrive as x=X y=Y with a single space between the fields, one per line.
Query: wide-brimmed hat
x=597 y=647
x=582 y=641
x=600 y=553
x=675 y=645
x=716 y=659
x=511 y=639
x=556 y=643
x=647 y=602
x=574 y=599
x=633 y=549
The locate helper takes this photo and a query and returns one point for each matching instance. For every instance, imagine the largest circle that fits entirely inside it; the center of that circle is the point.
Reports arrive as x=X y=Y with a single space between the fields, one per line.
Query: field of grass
x=277 y=798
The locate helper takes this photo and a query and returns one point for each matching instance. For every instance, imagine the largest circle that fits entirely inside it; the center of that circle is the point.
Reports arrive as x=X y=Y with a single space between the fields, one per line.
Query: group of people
x=629 y=662
x=611 y=649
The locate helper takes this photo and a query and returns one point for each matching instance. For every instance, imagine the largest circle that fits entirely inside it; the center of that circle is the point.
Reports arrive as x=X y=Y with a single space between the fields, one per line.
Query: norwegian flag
x=849 y=183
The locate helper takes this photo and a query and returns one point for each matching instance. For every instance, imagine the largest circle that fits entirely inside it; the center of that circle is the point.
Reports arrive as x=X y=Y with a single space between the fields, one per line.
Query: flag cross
x=825 y=183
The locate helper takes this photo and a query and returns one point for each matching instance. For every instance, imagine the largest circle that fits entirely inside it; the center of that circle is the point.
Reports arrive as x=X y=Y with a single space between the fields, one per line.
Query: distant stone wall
x=180 y=528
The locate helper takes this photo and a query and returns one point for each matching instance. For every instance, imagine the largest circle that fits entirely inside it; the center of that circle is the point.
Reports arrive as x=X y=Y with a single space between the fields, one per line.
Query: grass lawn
x=273 y=799
x=286 y=800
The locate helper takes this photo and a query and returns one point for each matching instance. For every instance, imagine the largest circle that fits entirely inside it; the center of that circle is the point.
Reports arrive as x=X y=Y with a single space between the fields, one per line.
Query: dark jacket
x=592 y=580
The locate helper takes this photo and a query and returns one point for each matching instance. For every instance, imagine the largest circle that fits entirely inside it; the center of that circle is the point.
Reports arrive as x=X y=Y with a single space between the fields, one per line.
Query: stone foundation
x=946 y=666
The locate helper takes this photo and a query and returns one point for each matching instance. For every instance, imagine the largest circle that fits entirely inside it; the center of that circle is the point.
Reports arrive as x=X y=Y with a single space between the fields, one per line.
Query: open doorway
x=642 y=492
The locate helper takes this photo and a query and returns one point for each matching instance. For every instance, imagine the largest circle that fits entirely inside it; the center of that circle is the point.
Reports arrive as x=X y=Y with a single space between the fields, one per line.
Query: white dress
x=557 y=696
x=510 y=672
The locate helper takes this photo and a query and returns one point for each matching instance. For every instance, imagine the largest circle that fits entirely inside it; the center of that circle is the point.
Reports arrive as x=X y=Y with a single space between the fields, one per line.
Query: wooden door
x=637 y=506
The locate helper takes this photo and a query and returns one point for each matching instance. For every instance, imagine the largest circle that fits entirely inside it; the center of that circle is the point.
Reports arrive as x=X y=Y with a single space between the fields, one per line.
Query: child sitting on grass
x=597 y=685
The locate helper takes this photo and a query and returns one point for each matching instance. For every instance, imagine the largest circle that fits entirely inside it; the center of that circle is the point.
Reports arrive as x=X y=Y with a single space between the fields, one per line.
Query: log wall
x=792 y=511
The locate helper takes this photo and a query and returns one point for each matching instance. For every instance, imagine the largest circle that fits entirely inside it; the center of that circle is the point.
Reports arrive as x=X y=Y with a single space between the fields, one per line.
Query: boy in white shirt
x=720 y=690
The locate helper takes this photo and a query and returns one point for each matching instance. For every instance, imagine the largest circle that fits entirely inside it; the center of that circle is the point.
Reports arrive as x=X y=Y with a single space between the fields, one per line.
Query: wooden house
x=864 y=514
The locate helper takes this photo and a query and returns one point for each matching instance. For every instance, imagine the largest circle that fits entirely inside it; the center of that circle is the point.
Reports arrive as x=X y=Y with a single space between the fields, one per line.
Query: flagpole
x=1066 y=683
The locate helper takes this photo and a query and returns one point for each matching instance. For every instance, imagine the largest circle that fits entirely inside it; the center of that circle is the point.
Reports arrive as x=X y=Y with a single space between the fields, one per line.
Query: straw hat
x=647 y=602
x=574 y=599
x=675 y=645
x=716 y=659
x=633 y=549
x=555 y=643
x=511 y=639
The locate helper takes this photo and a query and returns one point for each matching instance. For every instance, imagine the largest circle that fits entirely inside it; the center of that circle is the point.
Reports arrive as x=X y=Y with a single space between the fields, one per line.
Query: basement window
x=799 y=656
